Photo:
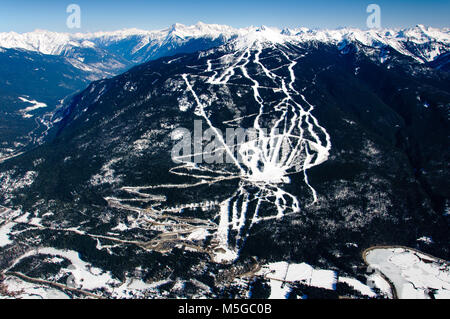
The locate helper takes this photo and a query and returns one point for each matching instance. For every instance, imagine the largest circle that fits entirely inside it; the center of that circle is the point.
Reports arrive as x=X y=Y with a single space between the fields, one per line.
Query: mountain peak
x=177 y=26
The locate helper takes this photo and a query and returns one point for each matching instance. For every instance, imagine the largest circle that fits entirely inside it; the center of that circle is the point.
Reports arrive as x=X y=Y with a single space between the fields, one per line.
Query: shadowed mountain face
x=31 y=85
x=350 y=153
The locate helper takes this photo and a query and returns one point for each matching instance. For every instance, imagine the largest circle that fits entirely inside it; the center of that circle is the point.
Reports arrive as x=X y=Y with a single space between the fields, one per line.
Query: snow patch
x=414 y=274
x=35 y=105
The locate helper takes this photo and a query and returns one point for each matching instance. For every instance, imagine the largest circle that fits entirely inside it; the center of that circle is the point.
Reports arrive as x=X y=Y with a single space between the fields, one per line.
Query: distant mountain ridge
x=118 y=50
x=114 y=52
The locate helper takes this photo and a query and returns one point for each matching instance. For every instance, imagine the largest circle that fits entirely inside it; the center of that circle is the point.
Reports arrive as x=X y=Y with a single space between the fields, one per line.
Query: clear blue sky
x=28 y=15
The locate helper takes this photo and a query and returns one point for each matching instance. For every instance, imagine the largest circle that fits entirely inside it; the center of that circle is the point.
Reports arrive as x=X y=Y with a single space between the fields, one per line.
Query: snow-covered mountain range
x=55 y=43
x=132 y=46
x=114 y=52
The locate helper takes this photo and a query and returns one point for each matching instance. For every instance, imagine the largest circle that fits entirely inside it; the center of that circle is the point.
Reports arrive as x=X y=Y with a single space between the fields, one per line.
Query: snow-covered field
x=4 y=234
x=84 y=278
x=357 y=285
x=20 y=289
x=280 y=274
x=413 y=274
x=84 y=275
